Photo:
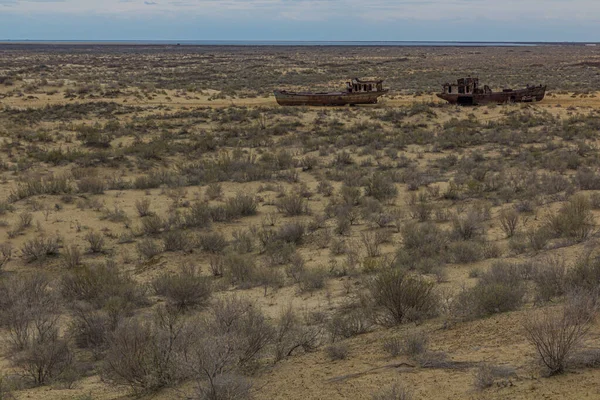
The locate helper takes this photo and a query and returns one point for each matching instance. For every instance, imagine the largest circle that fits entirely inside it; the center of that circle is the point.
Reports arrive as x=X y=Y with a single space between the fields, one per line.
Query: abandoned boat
x=468 y=93
x=357 y=92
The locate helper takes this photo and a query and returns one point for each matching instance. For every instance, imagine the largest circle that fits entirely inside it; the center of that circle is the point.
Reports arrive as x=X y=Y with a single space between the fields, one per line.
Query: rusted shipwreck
x=467 y=92
x=357 y=92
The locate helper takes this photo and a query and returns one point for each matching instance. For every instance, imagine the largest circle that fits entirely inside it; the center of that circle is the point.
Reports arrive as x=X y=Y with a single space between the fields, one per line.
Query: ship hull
x=527 y=95
x=326 y=99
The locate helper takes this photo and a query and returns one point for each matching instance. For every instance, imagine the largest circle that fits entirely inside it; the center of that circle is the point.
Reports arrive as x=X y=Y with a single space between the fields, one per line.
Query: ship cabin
x=466 y=86
x=358 y=86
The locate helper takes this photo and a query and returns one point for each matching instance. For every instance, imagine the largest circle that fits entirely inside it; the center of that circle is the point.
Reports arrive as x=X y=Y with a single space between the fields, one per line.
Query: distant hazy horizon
x=302 y=20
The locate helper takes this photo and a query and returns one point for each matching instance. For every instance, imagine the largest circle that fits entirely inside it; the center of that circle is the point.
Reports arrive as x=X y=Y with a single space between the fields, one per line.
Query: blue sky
x=459 y=20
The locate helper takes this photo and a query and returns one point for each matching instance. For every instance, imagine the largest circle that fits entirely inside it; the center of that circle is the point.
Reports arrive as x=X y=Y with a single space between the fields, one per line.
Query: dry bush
x=292 y=205
x=51 y=185
x=372 y=240
x=242 y=205
x=574 y=219
x=556 y=334
x=93 y=185
x=585 y=274
x=152 y=225
x=28 y=309
x=30 y=313
x=71 y=257
x=424 y=240
x=467 y=227
x=45 y=358
x=292 y=333
x=40 y=248
x=415 y=343
x=99 y=284
x=6 y=252
x=214 y=191
x=312 y=279
x=244 y=321
x=291 y=233
x=464 y=252
x=509 y=221
x=240 y=269
x=96 y=241
x=337 y=351
x=500 y=289
x=225 y=387
x=198 y=216
x=394 y=392
x=345 y=324
x=176 y=240
x=148 y=248
x=392 y=346
x=487 y=375
x=149 y=355
x=381 y=187
x=214 y=242
x=243 y=241
x=143 y=207
x=403 y=297
x=90 y=328
x=185 y=289
x=550 y=277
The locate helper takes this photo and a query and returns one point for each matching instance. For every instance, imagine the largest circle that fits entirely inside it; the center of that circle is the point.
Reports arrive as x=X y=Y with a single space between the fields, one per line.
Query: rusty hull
x=285 y=98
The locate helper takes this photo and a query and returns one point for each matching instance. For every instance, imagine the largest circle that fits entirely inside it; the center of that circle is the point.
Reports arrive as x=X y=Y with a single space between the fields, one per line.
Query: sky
x=404 y=20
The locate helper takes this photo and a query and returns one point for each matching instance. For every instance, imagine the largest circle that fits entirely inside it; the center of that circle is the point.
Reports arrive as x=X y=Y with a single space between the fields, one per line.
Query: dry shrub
x=40 y=248
x=556 y=334
x=99 y=284
x=509 y=221
x=550 y=277
x=185 y=289
x=149 y=355
x=292 y=205
x=487 y=375
x=403 y=297
x=71 y=257
x=337 y=351
x=312 y=279
x=240 y=269
x=381 y=187
x=152 y=224
x=394 y=392
x=228 y=386
x=242 y=205
x=500 y=289
x=93 y=185
x=176 y=240
x=574 y=219
x=143 y=207
x=29 y=311
x=372 y=240
x=96 y=241
x=148 y=248
x=467 y=227
x=214 y=242
x=424 y=240
x=6 y=252
x=348 y=323
x=292 y=333
x=415 y=343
